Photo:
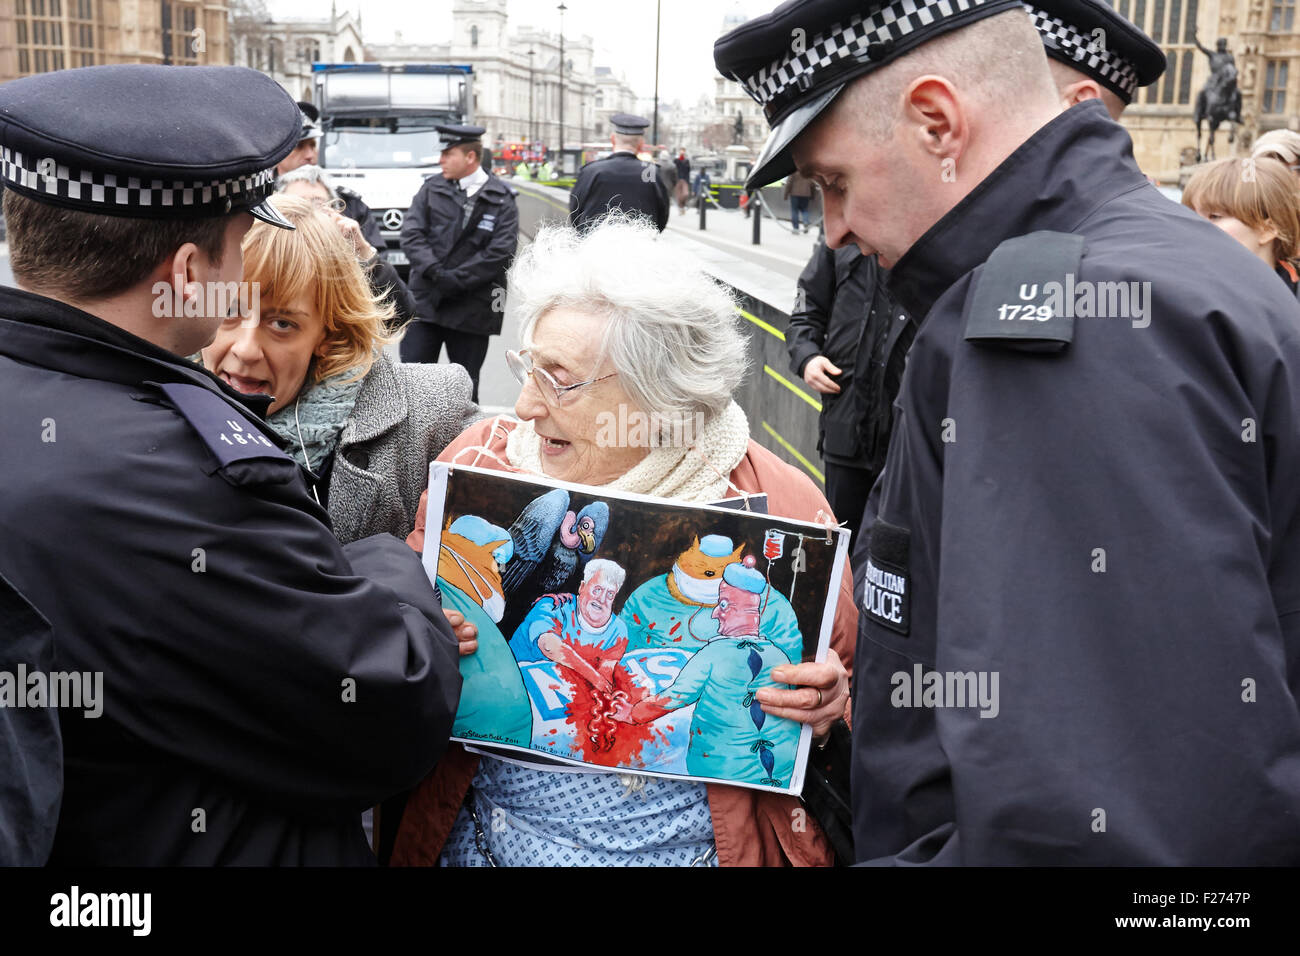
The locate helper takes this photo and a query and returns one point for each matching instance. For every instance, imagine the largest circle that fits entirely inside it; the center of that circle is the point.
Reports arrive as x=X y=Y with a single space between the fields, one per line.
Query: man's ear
x=1080 y=90
x=183 y=271
x=936 y=117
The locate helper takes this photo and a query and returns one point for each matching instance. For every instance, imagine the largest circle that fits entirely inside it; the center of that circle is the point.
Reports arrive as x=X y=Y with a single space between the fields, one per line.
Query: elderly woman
x=310 y=182
x=364 y=427
x=617 y=325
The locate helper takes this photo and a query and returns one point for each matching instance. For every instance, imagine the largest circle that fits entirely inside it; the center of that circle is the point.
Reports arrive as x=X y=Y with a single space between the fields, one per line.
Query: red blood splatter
x=673 y=629
x=635 y=618
x=599 y=738
x=651 y=625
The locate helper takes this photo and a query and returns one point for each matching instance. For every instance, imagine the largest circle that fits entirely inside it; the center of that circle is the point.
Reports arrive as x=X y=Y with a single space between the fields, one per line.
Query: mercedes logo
x=392 y=219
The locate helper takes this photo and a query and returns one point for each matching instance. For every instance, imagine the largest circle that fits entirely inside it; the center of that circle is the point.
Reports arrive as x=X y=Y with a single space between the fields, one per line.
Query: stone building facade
x=37 y=36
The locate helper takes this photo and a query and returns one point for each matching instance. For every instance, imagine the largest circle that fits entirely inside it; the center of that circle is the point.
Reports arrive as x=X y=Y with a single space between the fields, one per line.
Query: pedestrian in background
x=798 y=189
x=848 y=340
x=682 y=191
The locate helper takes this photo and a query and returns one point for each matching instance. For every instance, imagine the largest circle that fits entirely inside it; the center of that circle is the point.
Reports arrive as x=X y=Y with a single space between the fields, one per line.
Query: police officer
x=1095 y=443
x=261 y=684
x=461 y=233
x=306 y=153
x=620 y=180
x=1094 y=53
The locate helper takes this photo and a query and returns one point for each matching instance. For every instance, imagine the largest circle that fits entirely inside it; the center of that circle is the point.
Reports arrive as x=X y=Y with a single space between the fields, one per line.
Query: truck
x=377 y=132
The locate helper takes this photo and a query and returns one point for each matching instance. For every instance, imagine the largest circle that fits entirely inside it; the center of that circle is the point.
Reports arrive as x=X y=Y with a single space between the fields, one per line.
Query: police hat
x=452 y=135
x=310 y=116
x=628 y=124
x=795 y=60
x=146 y=141
x=1089 y=36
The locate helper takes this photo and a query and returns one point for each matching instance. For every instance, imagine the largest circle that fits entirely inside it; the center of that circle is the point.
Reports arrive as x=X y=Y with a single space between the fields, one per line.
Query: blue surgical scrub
x=731 y=736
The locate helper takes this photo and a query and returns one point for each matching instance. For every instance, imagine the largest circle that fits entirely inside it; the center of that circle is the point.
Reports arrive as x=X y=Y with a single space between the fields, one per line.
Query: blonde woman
x=364 y=427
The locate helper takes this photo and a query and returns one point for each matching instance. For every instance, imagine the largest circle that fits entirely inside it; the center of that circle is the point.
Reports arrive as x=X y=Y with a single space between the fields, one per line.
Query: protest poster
x=622 y=632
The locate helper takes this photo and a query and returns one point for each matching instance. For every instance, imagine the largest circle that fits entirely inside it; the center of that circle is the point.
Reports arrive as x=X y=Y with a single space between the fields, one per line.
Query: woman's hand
x=819 y=699
x=351 y=230
x=466 y=634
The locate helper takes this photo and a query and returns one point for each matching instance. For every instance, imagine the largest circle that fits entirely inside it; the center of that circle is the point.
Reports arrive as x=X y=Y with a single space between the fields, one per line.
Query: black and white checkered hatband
x=855 y=46
x=1087 y=52
x=46 y=180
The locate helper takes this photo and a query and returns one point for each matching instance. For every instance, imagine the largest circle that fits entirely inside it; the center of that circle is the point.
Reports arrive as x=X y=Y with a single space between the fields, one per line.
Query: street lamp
x=562 y=8
x=654 y=137
x=532 y=135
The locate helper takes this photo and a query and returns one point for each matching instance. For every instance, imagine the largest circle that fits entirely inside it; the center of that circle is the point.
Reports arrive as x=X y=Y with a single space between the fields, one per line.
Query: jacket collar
x=1055 y=180
x=52 y=334
x=493 y=188
x=381 y=404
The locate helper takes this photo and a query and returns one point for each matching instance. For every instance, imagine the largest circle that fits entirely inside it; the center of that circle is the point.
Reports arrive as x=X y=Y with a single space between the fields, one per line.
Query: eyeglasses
x=521 y=366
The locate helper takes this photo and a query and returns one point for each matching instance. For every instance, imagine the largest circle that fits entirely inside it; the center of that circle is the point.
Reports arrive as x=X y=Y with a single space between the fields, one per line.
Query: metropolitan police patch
x=886 y=599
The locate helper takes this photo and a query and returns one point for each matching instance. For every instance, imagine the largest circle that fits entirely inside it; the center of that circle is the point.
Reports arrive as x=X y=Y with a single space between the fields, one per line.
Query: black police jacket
x=458 y=273
x=1101 y=514
x=619 y=181
x=843 y=311
x=262 y=685
x=31 y=747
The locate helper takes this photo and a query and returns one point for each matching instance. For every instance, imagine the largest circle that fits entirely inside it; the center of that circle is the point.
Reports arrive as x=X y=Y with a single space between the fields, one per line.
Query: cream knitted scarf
x=697 y=473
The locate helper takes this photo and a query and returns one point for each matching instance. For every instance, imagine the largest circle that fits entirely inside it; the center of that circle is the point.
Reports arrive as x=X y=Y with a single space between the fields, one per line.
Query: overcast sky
x=623 y=32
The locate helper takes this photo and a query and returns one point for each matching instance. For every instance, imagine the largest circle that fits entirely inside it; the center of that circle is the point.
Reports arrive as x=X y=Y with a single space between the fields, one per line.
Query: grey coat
x=405 y=415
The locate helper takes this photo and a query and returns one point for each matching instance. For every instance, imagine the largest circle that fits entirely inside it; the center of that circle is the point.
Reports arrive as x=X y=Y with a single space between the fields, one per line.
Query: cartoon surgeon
x=731 y=736
x=470 y=557
x=676 y=609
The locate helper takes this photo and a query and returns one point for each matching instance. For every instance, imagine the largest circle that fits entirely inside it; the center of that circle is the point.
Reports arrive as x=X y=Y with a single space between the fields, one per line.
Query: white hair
x=672 y=332
x=304 y=174
x=609 y=571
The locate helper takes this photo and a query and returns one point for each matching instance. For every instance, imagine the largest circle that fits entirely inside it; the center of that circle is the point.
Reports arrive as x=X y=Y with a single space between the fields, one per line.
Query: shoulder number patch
x=229 y=435
x=1016 y=302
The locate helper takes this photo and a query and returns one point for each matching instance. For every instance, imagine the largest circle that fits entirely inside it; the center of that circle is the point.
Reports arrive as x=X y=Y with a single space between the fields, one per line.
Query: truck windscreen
x=381 y=144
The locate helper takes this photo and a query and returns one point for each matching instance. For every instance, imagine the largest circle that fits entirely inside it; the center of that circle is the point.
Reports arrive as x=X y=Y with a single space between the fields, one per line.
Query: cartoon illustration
x=551 y=545
x=470 y=556
x=630 y=634
x=731 y=735
x=676 y=609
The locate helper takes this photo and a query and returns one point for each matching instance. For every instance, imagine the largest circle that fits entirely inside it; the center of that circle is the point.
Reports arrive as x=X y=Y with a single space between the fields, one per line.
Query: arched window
x=349 y=56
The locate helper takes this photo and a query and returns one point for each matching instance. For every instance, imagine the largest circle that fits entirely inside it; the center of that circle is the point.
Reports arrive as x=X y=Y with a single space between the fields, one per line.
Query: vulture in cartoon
x=551 y=547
